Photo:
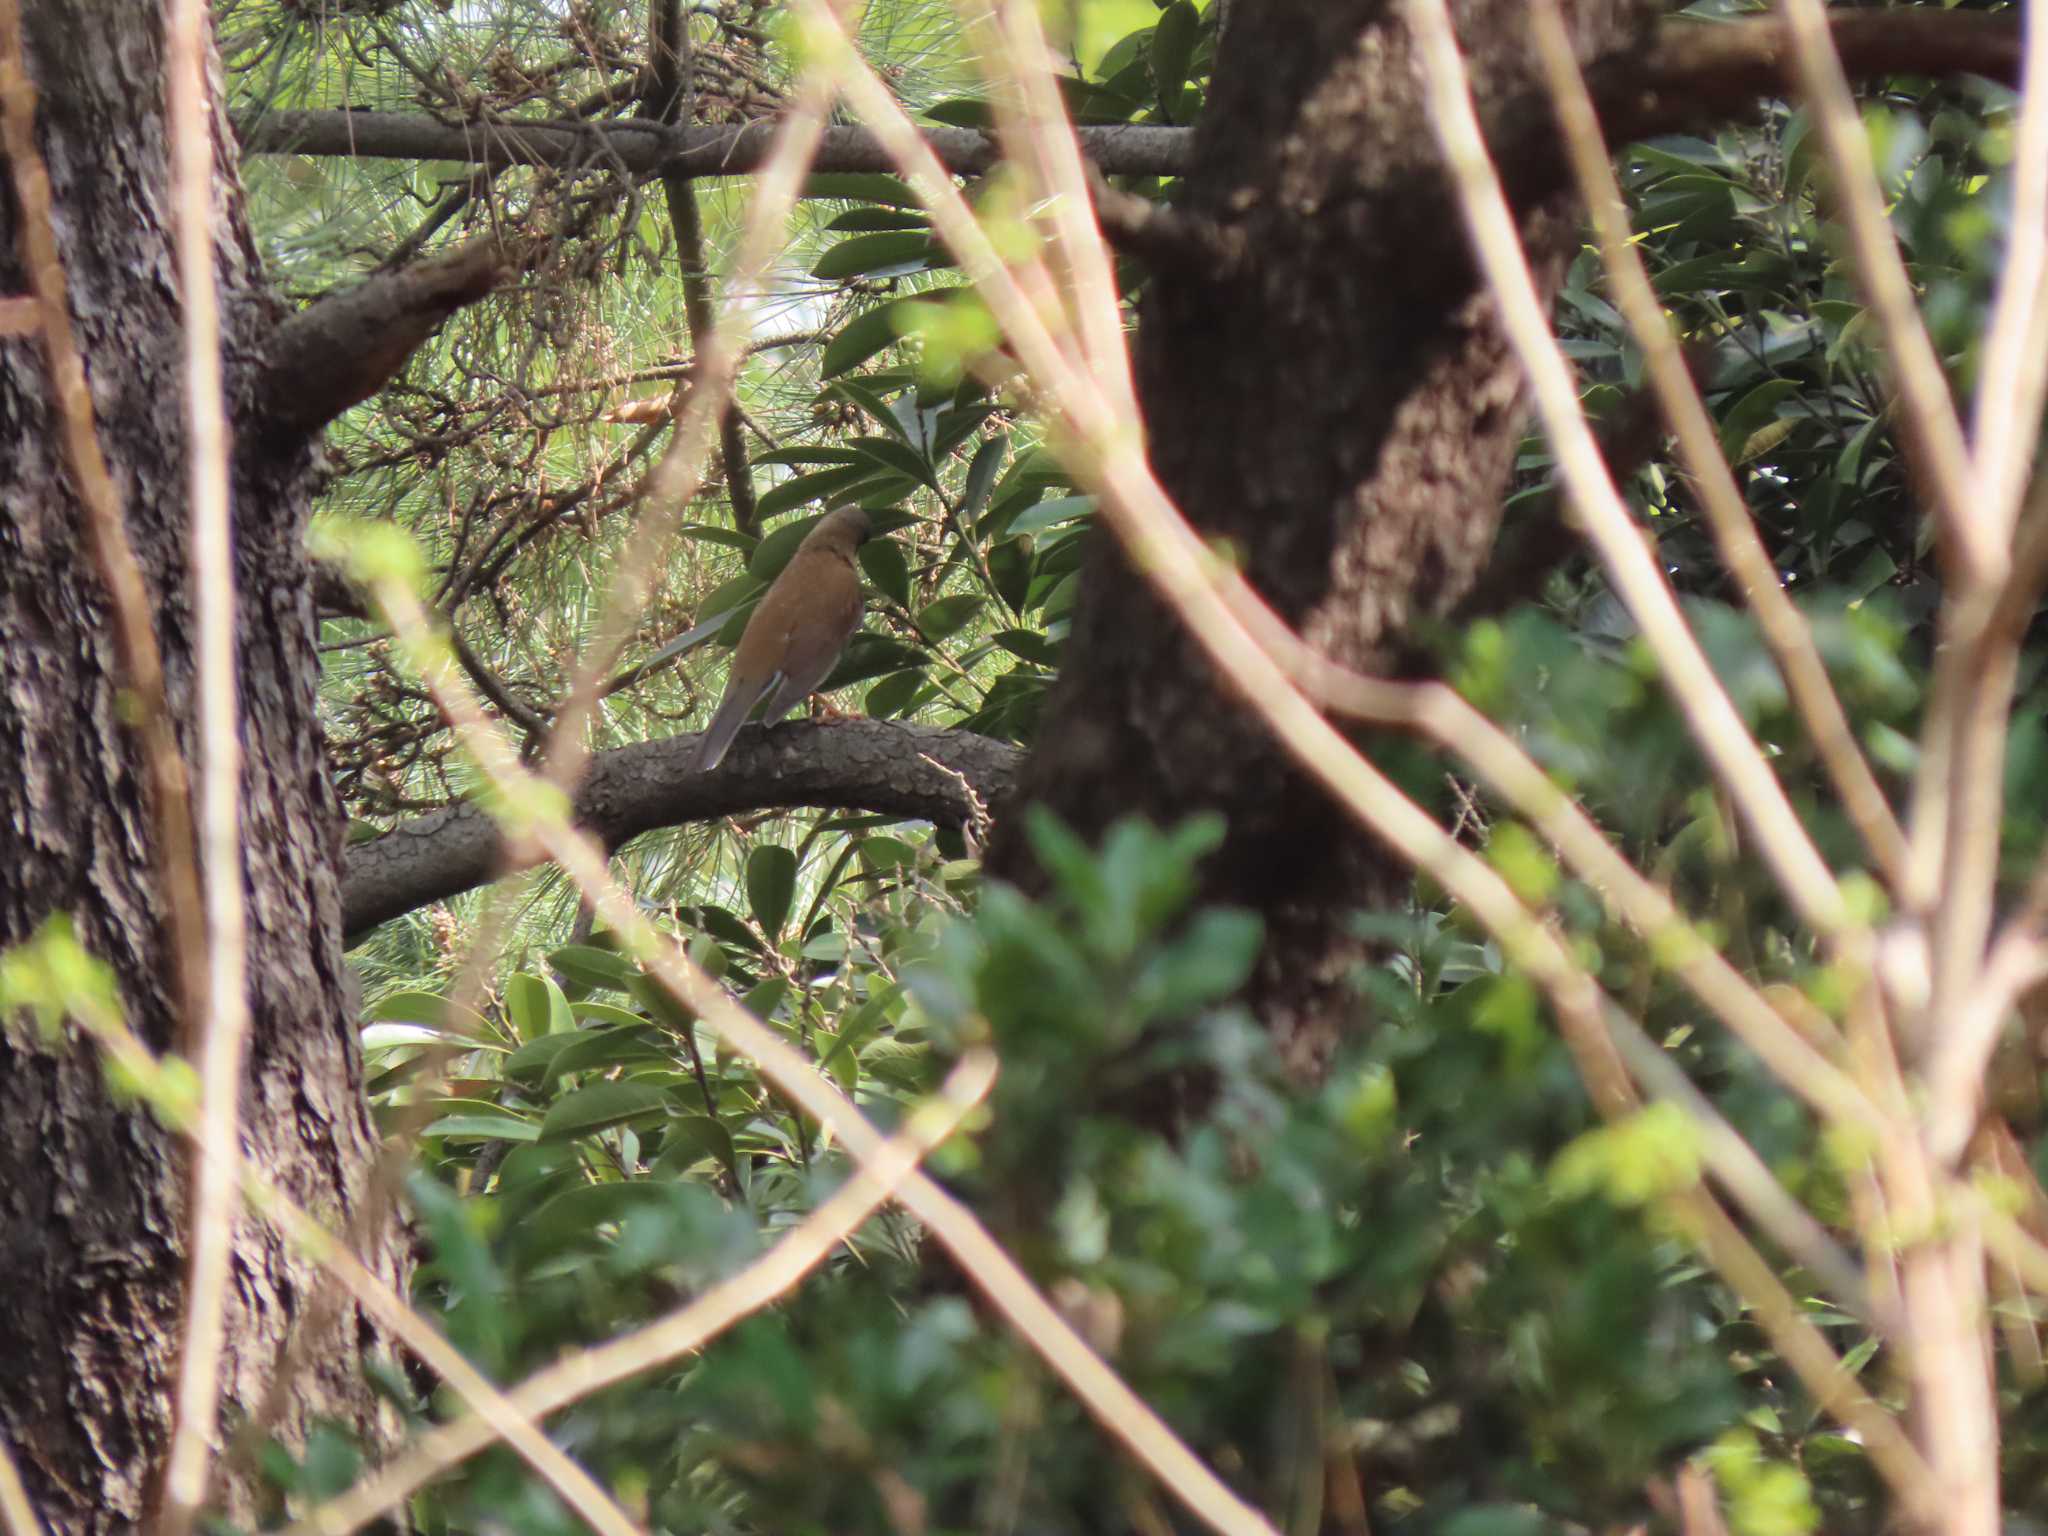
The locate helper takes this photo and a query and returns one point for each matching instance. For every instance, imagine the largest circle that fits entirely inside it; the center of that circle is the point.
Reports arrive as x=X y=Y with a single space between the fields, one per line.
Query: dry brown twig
x=1727 y=510
x=1716 y=727
x=224 y=1029
x=17 y=1515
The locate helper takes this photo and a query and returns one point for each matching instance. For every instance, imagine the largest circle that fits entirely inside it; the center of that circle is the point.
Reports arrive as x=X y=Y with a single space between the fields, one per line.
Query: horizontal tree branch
x=646 y=147
x=1689 y=74
x=913 y=771
x=1703 y=72
x=344 y=347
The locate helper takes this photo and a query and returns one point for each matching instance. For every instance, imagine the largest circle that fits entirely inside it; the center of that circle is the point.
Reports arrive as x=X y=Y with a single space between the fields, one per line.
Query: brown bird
x=799 y=628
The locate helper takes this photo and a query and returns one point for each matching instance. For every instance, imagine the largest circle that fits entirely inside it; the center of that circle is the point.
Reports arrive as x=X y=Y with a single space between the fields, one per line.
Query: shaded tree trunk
x=1344 y=408
x=92 y=1196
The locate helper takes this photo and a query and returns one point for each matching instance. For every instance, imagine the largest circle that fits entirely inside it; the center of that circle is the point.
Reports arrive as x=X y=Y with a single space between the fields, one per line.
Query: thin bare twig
x=211 y=1225
x=1972 y=976
x=1928 y=413
x=1715 y=725
x=1783 y=628
x=17 y=1515
x=2014 y=378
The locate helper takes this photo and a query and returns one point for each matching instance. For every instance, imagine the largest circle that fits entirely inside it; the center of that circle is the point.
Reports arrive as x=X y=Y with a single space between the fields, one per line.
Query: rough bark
x=91 y=1195
x=1344 y=409
x=952 y=777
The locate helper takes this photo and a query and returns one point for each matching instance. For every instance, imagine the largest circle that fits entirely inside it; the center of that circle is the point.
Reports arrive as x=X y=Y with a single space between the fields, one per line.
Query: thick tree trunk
x=1344 y=409
x=92 y=1196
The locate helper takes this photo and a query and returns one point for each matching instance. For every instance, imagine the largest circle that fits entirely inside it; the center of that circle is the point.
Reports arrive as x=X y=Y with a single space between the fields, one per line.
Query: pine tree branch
x=917 y=772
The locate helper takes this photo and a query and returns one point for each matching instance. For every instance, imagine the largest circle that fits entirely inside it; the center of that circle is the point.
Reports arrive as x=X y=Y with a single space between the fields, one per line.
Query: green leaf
x=816 y=454
x=948 y=615
x=1010 y=569
x=1173 y=49
x=858 y=340
x=532 y=1060
x=962 y=112
x=592 y=1049
x=537 y=1006
x=892 y=253
x=1100 y=24
x=887 y=853
x=605 y=1013
x=800 y=489
x=886 y=566
x=690 y=1139
x=779 y=546
x=862 y=1023
x=485 y=1124
x=868 y=221
x=877 y=408
x=706 y=533
x=599 y=1107
x=894 y=693
x=1048 y=514
x=890 y=454
x=436 y=1012
x=771 y=884
x=1752 y=412
x=861 y=187
x=1031 y=645
x=762 y=1000
x=872 y=656
x=981 y=477
x=726 y=927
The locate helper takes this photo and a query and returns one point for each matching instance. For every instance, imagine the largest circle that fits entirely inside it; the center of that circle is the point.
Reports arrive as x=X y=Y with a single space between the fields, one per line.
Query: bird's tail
x=725 y=724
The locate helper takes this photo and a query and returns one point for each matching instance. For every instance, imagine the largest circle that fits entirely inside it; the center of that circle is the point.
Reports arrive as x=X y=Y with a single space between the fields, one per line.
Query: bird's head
x=842 y=531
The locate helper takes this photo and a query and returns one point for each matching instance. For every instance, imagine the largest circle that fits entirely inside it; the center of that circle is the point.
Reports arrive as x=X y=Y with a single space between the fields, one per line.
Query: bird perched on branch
x=795 y=636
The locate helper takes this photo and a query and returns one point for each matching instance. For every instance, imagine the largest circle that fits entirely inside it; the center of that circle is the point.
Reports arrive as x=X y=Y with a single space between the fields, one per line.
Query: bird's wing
x=814 y=642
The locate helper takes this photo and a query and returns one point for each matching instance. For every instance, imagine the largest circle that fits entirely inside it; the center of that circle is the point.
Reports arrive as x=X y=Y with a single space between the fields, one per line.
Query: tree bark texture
x=92 y=1196
x=1343 y=408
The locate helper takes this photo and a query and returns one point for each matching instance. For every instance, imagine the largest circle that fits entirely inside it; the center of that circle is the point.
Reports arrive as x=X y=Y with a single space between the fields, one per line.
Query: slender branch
x=646 y=148
x=1975 y=982
x=2014 y=379
x=670 y=97
x=225 y=1028
x=1784 y=630
x=493 y=687
x=346 y=346
x=1715 y=725
x=1694 y=72
x=853 y=765
x=1690 y=74
x=1928 y=413
x=17 y=1514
